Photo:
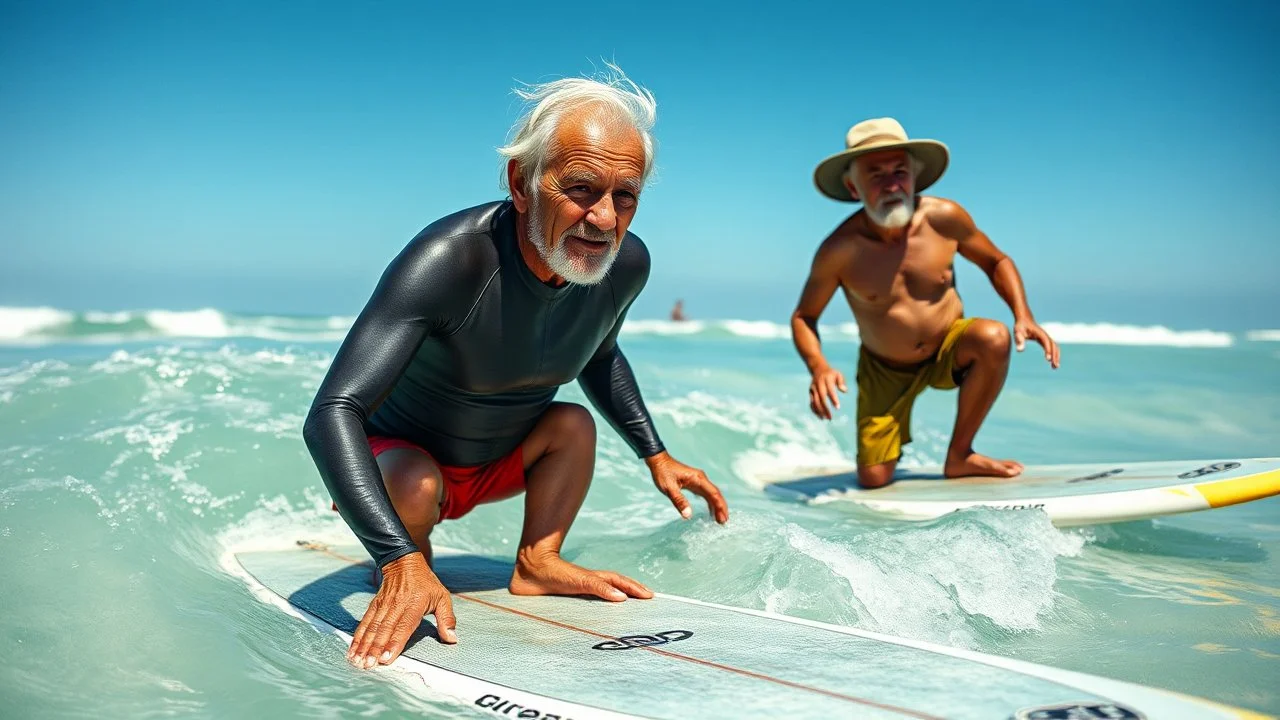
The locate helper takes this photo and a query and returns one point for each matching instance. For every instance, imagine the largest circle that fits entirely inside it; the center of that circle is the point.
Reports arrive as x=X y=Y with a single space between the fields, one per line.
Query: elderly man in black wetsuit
x=442 y=395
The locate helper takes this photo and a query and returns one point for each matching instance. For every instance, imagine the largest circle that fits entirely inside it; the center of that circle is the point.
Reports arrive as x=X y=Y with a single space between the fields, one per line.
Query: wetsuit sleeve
x=407 y=306
x=607 y=379
x=611 y=386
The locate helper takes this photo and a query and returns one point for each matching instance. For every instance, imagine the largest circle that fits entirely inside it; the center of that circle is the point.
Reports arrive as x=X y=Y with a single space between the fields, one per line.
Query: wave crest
x=1113 y=334
x=43 y=325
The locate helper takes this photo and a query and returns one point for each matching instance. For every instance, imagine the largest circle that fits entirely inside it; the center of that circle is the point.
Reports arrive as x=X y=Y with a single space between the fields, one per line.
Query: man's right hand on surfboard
x=409 y=590
x=823 y=388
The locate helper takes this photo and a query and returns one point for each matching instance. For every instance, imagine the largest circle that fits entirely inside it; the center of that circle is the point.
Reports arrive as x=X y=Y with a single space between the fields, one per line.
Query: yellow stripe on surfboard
x=1238 y=712
x=1243 y=714
x=1237 y=490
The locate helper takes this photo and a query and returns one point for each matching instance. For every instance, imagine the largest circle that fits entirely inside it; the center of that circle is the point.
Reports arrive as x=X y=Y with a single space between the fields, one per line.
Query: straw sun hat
x=872 y=136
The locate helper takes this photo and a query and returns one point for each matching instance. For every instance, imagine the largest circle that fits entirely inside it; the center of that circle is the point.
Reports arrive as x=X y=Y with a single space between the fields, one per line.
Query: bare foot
x=981 y=465
x=554 y=576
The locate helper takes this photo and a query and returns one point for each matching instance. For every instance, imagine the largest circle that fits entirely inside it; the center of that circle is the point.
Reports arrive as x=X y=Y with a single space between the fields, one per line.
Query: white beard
x=898 y=215
x=577 y=268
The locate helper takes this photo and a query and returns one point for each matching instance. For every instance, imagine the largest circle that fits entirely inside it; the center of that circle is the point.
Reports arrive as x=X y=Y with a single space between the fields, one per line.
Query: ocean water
x=137 y=448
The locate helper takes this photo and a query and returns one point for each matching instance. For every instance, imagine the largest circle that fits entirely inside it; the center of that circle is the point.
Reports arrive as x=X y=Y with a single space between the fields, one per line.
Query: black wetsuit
x=460 y=350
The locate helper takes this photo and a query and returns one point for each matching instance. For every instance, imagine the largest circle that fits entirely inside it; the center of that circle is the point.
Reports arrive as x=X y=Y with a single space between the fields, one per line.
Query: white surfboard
x=1071 y=495
x=556 y=658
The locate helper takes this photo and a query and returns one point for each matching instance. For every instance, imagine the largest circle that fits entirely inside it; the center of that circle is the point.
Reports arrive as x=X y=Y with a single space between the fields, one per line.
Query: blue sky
x=274 y=156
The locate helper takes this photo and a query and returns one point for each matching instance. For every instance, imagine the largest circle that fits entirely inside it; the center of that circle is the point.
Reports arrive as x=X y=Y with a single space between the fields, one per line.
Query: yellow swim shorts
x=886 y=395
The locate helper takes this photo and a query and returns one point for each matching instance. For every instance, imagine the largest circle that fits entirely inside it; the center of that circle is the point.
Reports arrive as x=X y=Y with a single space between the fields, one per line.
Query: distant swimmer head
x=576 y=168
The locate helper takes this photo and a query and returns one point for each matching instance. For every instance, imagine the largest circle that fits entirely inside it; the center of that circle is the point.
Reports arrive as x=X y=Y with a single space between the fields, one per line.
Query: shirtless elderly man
x=894 y=259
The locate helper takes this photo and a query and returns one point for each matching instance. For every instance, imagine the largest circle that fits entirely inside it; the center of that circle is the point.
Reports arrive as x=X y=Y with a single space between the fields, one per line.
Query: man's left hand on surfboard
x=672 y=477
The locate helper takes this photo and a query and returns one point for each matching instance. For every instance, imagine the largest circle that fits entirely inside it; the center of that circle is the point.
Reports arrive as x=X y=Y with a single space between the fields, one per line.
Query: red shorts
x=467 y=487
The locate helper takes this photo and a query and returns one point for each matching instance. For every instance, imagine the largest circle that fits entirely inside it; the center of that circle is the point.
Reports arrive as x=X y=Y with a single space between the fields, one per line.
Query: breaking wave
x=45 y=325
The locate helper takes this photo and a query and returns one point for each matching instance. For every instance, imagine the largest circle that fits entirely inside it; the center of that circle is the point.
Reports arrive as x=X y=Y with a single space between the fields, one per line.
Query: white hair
x=534 y=133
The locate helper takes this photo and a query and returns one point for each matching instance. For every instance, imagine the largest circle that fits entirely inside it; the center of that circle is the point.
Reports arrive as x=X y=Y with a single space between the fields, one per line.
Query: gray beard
x=896 y=217
x=576 y=268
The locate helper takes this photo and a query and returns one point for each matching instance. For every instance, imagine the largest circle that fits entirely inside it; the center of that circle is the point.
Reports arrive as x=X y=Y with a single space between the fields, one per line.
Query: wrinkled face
x=883 y=181
x=581 y=205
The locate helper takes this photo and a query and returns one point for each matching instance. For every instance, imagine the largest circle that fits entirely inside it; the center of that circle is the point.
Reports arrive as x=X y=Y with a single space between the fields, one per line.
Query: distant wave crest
x=1111 y=334
x=756 y=329
x=1064 y=333
x=43 y=325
